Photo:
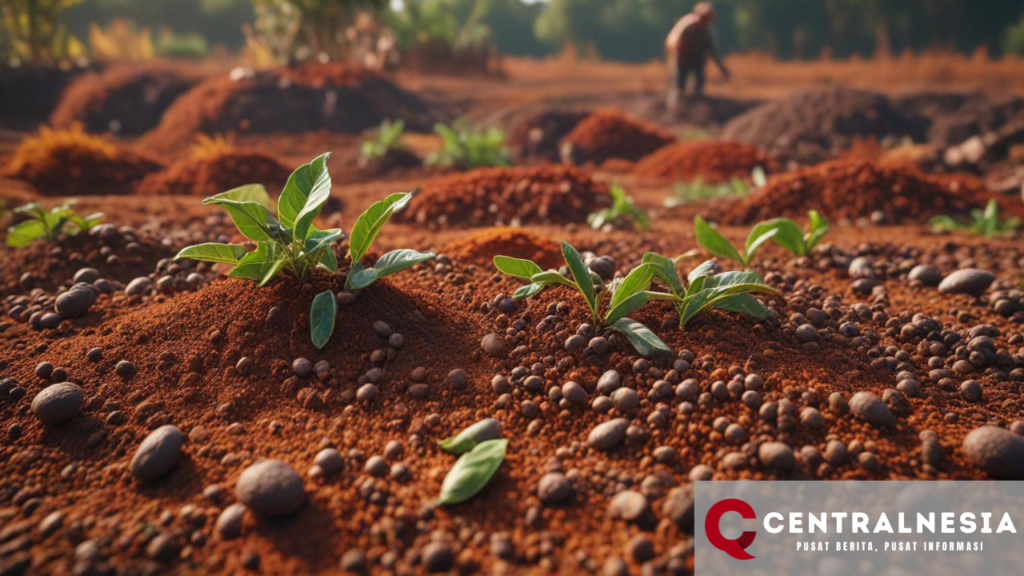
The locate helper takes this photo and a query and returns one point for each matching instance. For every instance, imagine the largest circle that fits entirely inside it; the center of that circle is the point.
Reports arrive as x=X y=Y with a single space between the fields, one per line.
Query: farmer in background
x=688 y=46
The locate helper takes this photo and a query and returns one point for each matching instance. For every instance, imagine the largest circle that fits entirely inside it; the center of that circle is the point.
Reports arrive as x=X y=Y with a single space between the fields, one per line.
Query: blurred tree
x=1013 y=38
x=35 y=30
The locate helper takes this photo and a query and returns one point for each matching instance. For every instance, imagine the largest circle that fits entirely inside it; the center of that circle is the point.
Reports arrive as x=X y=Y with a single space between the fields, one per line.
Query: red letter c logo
x=735 y=548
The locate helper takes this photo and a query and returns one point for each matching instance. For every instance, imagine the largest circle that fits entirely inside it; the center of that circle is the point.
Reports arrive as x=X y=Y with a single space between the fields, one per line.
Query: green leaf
x=315 y=200
x=398 y=260
x=248 y=193
x=715 y=243
x=517 y=267
x=360 y=277
x=638 y=280
x=693 y=305
x=707 y=268
x=24 y=233
x=319 y=239
x=299 y=187
x=645 y=342
x=273 y=270
x=744 y=304
x=329 y=260
x=213 y=252
x=550 y=277
x=788 y=235
x=482 y=431
x=250 y=217
x=527 y=291
x=472 y=471
x=581 y=274
x=664 y=270
x=321 y=317
x=818 y=229
x=255 y=265
x=626 y=307
x=369 y=223
x=759 y=234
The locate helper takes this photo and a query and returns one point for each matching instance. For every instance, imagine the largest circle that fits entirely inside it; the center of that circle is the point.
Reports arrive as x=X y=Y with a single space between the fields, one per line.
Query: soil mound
x=705 y=111
x=954 y=118
x=481 y=247
x=29 y=92
x=333 y=97
x=214 y=173
x=536 y=136
x=814 y=126
x=499 y=196
x=610 y=133
x=128 y=100
x=853 y=188
x=73 y=163
x=711 y=160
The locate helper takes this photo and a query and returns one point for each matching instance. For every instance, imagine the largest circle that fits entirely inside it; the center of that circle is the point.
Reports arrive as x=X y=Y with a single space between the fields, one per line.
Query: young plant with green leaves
x=621 y=211
x=985 y=223
x=388 y=137
x=609 y=304
x=290 y=244
x=467 y=147
x=48 y=224
x=698 y=190
x=705 y=289
x=782 y=231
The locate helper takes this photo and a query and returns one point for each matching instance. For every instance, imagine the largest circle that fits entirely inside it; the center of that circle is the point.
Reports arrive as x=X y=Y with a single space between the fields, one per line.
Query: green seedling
x=985 y=223
x=782 y=231
x=473 y=470
x=388 y=137
x=48 y=224
x=467 y=147
x=621 y=210
x=291 y=245
x=609 y=305
x=704 y=289
x=698 y=190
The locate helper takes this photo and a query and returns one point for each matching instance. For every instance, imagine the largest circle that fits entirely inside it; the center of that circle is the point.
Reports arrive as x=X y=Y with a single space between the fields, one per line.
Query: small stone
x=608 y=435
x=926 y=274
x=271 y=487
x=163 y=548
x=86 y=275
x=458 y=379
x=383 y=329
x=997 y=451
x=58 y=403
x=139 y=287
x=229 y=523
x=75 y=302
x=609 y=382
x=554 y=489
x=376 y=466
x=329 y=460
x=125 y=369
x=574 y=393
x=967 y=281
x=158 y=453
x=629 y=505
x=494 y=345
x=354 y=561
x=626 y=400
x=438 y=557
x=679 y=507
x=302 y=367
x=367 y=393
x=776 y=455
x=869 y=408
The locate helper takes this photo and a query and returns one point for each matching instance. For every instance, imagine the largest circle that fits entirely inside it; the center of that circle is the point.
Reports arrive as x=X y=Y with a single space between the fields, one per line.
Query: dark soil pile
x=851 y=188
x=508 y=196
x=395 y=160
x=954 y=117
x=214 y=173
x=481 y=247
x=125 y=100
x=816 y=125
x=704 y=112
x=609 y=133
x=712 y=160
x=30 y=92
x=333 y=97
x=70 y=162
x=537 y=136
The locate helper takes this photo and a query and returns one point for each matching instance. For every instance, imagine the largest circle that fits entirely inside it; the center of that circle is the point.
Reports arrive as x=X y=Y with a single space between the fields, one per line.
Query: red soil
x=70 y=162
x=481 y=247
x=126 y=100
x=217 y=172
x=610 y=133
x=855 y=188
x=712 y=160
x=489 y=196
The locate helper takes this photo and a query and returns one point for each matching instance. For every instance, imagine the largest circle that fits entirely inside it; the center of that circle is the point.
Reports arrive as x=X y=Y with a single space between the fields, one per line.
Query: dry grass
x=50 y=143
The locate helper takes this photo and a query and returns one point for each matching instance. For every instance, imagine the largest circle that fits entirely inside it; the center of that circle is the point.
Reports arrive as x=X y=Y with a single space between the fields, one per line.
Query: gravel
x=58 y=403
x=997 y=451
x=158 y=453
x=494 y=346
x=271 y=488
x=554 y=489
x=608 y=435
x=776 y=455
x=229 y=523
x=869 y=408
x=967 y=281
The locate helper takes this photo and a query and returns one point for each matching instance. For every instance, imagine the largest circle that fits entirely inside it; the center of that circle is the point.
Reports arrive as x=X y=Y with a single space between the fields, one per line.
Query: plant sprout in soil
x=48 y=224
x=783 y=231
x=292 y=245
